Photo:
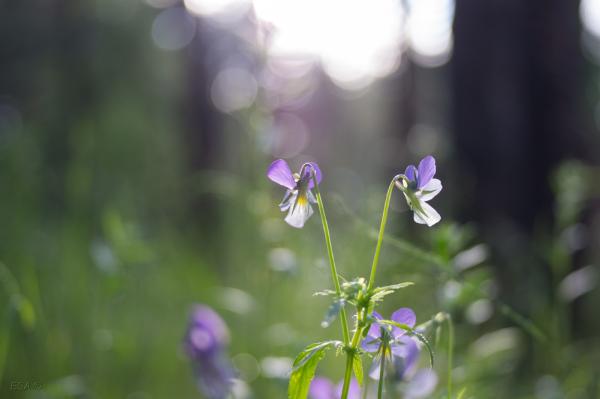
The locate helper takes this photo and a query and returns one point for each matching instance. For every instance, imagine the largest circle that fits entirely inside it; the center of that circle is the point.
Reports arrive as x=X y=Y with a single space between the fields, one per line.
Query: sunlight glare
x=355 y=40
x=589 y=10
x=220 y=10
x=429 y=31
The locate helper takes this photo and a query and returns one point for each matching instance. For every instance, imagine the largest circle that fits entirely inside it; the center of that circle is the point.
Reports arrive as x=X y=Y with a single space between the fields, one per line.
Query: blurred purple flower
x=392 y=342
x=420 y=385
x=420 y=187
x=205 y=343
x=298 y=196
x=323 y=388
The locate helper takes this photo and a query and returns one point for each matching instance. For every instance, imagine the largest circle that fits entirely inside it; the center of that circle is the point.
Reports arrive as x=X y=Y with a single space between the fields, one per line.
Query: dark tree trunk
x=516 y=73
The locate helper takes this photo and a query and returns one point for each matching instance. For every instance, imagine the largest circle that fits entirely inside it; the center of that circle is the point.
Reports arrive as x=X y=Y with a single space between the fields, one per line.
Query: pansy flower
x=298 y=197
x=418 y=187
x=205 y=343
x=391 y=342
x=323 y=388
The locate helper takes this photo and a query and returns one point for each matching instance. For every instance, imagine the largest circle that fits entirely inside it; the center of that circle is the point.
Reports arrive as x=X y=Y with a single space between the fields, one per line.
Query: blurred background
x=134 y=140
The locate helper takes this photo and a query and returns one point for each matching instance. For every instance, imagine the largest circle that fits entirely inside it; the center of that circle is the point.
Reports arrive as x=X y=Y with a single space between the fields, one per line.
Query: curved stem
x=384 y=217
x=450 y=353
x=334 y=275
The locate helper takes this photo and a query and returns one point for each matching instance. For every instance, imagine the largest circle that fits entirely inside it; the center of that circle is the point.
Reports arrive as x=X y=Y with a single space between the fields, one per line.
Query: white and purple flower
x=418 y=187
x=298 y=197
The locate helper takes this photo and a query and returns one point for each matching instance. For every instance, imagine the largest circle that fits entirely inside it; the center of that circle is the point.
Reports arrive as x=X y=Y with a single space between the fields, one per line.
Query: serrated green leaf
x=394 y=287
x=412 y=332
x=304 y=368
x=380 y=292
x=332 y=312
x=358 y=369
x=309 y=351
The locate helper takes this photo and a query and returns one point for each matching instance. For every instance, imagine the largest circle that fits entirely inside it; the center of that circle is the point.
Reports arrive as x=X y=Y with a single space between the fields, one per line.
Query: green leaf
x=19 y=302
x=304 y=368
x=380 y=292
x=523 y=322
x=324 y=293
x=462 y=393
x=4 y=341
x=394 y=287
x=26 y=311
x=332 y=312
x=358 y=368
x=412 y=332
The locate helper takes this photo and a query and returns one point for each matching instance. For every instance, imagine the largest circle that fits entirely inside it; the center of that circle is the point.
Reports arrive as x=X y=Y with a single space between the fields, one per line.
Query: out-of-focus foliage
x=132 y=186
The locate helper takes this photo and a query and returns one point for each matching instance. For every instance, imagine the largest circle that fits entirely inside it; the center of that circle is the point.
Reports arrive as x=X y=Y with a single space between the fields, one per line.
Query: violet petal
x=403 y=316
x=426 y=171
x=321 y=388
x=280 y=173
x=411 y=173
x=308 y=171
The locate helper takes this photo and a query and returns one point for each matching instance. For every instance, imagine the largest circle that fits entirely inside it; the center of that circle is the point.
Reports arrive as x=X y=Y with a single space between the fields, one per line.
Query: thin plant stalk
x=450 y=353
x=384 y=217
x=347 y=375
x=350 y=361
x=334 y=274
x=381 y=373
x=359 y=329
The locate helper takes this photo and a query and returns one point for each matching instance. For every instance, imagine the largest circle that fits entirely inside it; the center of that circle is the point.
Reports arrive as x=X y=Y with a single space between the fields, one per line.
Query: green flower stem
x=450 y=353
x=384 y=217
x=353 y=345
x=359 y=328
x=347 y=375
x=338 y=290
x=334 y=274
x=381 y=371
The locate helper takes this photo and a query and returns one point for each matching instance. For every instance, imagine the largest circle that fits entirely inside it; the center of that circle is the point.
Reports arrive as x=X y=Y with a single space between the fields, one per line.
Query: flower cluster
x=205 y=343
x=417 y=184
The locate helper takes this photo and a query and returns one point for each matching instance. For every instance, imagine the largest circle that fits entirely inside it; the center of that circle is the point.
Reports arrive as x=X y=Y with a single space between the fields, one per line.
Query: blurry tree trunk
x=516 y=75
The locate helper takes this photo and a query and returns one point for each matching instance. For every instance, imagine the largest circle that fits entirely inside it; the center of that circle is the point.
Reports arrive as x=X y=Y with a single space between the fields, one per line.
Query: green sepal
x=415 y=203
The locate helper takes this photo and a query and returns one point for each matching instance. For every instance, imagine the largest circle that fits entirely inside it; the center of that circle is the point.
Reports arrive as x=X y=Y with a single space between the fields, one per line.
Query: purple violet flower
x=205 y=343
x=420 y=187
x=298 y=196
x=420 y=385
x=392 y=342
x=323 y=388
